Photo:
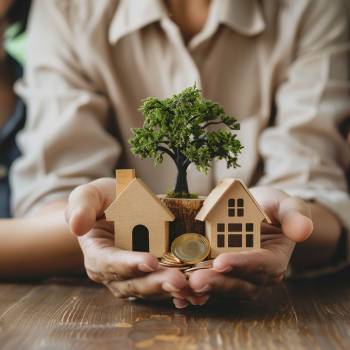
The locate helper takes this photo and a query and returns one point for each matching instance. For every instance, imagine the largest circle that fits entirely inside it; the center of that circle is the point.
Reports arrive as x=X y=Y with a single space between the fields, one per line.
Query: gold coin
x=205 y=264
x=180 y=267
x=167 y=261
x=191 y=248
x=195 y=268
x=170 y=256
x=171 y=262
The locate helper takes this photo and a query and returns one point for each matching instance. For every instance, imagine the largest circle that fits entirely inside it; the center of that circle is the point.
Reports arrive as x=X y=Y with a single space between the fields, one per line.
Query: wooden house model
x=141 y=220
x=232 y=218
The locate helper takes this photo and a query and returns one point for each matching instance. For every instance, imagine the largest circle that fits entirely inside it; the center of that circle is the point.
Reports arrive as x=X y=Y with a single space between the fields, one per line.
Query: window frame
x=235 y=207
x=220 y=236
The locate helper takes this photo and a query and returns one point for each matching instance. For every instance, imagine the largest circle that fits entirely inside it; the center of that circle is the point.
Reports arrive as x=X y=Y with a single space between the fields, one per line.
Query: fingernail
x=145 y=268
x=170 y=288
x=177 y=295
x=204 y=289
x=198 y=300
x=204 y=300
x=223 y=269
x=192 y=300
x=180 y=304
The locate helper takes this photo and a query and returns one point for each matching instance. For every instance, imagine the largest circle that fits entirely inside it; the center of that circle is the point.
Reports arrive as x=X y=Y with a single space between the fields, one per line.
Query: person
x=280 y=67
x=12 y=111
x=27 y=250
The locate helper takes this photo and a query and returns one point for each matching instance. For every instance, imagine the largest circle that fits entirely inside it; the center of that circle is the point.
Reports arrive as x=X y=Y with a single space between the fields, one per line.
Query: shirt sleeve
x=304 y=153
x=65 y=141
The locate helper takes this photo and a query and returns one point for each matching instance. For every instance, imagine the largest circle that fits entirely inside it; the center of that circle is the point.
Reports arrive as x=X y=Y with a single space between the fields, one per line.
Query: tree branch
x=211 y=123
x=193 y=118
x=167 y=151
x=187 y=163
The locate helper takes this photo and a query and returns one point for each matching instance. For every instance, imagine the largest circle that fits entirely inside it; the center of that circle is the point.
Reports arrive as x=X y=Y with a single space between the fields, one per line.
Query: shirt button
x=3 y=171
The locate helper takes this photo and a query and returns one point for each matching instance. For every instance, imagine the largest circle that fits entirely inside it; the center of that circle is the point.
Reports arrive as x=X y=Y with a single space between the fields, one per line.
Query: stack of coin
x=170 y=260
x=191 y=248
x=188 y=251
x=206 y=264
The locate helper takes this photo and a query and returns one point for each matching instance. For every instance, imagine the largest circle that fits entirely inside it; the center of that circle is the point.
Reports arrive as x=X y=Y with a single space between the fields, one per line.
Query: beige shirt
x=279 y=66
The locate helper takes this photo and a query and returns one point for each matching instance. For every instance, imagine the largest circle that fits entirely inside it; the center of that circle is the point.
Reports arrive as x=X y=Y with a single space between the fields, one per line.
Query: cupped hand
x=125 y=273
x=244 y=274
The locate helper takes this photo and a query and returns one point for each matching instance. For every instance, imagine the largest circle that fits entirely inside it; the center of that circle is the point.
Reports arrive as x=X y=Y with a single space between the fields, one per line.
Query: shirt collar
x=132 y=15
x=243 y=16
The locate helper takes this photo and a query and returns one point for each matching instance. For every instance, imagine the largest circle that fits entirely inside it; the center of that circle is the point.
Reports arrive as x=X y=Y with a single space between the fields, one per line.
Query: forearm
x=320 y=248
x=38 y=246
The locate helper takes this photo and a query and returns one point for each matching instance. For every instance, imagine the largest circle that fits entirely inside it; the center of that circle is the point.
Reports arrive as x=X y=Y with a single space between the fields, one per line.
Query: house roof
x=169 y=216
x=218 y=192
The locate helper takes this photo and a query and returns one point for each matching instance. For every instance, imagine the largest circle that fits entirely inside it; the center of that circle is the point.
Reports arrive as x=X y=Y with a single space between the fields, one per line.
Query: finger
x=159 y=284
x=87 y=203
x=198 y=299
x=110 y=262
x=180 y=303
x=258 y=266
x=295 y=218
x=210 y=281
x=292 y=213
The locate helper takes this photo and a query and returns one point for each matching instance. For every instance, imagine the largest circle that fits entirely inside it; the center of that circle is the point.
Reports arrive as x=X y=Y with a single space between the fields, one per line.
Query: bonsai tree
x=183 y=127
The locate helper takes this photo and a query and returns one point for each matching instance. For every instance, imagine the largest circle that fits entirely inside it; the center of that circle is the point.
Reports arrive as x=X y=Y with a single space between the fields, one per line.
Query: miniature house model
x=232 y=218
x=141 y=221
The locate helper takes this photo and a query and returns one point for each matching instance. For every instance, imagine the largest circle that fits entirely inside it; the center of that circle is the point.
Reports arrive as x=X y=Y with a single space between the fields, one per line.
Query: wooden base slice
x=185 y=211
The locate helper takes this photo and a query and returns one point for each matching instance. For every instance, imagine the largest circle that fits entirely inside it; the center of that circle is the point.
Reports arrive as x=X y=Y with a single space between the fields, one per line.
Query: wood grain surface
x=76 y=314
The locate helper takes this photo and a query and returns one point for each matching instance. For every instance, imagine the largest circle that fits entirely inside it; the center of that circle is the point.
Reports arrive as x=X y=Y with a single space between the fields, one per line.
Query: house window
x=240 y=207
x=231 y=202
x=220 y=227
x=220 y=241
x=234 y=240
x=249 y=227
x=249 y=240
x=238 y=235
x=234 y=227
x=235 y=207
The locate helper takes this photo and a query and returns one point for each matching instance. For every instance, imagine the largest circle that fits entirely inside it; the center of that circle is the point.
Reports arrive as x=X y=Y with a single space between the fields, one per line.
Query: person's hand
x=244 y=274
x=125 y=273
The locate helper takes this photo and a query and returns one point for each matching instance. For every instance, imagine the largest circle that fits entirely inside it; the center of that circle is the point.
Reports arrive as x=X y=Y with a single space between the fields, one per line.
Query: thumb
x=294 y=216
x=87 y=203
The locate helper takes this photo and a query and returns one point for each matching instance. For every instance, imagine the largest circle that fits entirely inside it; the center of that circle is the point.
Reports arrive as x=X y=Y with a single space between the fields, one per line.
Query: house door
x=140 y=238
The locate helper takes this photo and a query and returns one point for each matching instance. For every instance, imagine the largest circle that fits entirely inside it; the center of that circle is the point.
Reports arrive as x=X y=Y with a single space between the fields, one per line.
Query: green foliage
x=181 y=126
x=173 y=194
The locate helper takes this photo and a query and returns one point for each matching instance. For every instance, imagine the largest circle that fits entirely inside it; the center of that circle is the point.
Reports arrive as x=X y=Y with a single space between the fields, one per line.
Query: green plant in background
x=178 y=127
x=15 y=44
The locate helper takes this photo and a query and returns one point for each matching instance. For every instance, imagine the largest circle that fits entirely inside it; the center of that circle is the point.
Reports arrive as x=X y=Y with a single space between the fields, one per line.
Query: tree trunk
x=181 y=181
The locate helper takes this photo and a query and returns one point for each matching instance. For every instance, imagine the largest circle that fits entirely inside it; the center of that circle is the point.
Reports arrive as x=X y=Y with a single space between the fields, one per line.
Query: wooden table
x=76 y=314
